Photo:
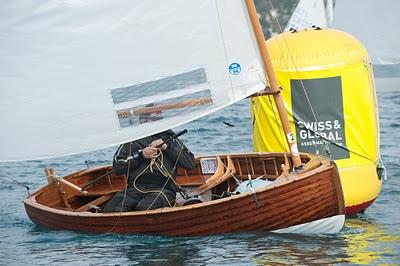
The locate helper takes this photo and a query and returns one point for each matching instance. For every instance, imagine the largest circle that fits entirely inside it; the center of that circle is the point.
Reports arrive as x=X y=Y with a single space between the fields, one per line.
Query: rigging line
x=257 y=112
x=223 y=43
x=54 y=175
x=258 y=106
x=169 y=176
x=68 y=167
x=164 y=171
x=297 y=72
x=160 y=192
x=278 y=124
x=126 y=177
x=210 y=149
x=40 y=180
x=284 y=142
x=247 y=165
x=290 y=54
x=13 y=180
x=297 y=117
x=176 y=162
x=368 y=65
x=376 y=113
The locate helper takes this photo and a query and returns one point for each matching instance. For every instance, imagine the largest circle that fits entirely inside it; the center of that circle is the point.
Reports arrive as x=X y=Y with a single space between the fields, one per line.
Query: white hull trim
x=329 y=225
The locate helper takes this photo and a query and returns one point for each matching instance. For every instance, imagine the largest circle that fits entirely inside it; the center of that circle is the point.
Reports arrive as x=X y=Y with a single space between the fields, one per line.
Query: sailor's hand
x=150 y=152
x=157 y=142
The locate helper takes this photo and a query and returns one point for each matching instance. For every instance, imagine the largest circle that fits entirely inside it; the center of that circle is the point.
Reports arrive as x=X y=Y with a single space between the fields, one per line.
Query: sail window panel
x=159 y=86
x=164 y=109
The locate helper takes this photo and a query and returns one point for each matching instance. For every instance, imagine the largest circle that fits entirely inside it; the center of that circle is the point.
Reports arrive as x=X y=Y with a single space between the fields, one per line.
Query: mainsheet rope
x=162 y=169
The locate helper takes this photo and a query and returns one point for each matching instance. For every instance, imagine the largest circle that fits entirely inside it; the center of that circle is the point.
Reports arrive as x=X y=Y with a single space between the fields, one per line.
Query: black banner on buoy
x=323 y=120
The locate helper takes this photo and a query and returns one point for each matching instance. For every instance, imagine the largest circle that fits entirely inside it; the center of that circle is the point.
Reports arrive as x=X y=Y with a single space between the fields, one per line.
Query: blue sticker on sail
x=234 y=68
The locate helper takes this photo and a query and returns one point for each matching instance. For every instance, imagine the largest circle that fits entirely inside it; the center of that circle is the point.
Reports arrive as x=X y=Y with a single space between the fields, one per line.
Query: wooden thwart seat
x=95 y=202
x=218 y=177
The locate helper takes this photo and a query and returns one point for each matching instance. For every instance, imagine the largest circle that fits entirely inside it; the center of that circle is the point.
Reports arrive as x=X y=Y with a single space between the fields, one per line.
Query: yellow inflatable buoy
x=329 y=92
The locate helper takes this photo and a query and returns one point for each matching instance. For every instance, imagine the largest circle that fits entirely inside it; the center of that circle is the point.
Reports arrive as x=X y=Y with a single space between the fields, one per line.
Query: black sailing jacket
x=174 y=149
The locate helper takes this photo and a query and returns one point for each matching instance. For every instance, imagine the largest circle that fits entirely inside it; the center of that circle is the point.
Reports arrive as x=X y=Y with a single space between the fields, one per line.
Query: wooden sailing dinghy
x=183 y=59
x=310 y=201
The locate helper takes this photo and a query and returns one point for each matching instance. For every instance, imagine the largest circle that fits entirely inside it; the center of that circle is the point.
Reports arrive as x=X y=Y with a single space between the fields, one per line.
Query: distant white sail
x=310 y=13
x=76 y=75
x=375 y=24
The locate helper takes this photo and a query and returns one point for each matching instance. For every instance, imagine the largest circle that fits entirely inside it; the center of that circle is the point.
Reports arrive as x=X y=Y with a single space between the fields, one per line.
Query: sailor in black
x=150 y=165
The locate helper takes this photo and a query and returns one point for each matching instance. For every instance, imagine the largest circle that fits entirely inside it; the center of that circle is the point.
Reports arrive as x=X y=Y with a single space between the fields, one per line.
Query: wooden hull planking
x=307 y=197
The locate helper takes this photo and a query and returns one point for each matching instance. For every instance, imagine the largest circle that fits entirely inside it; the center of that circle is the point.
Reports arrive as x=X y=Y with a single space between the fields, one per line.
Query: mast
x=251 y=9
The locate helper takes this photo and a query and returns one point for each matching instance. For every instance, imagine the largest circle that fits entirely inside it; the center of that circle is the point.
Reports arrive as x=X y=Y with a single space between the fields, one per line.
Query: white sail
x=76 y=74
x=310 y=13
x=375 y=24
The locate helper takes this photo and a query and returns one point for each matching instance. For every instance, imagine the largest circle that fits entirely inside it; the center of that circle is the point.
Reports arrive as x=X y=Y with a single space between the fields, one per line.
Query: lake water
x=372 y=238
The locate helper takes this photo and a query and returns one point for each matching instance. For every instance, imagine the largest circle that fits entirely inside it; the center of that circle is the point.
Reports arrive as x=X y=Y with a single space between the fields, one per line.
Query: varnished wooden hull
x=308 y=197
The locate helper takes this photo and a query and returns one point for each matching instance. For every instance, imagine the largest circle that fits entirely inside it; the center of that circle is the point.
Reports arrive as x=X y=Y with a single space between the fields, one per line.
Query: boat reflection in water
x=363 y=241
x=367 y=241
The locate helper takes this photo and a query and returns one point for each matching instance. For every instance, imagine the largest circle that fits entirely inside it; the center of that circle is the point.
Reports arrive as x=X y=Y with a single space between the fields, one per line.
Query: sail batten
x=68 y=67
